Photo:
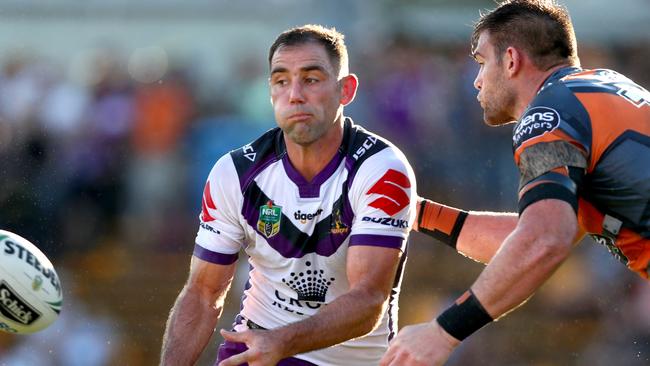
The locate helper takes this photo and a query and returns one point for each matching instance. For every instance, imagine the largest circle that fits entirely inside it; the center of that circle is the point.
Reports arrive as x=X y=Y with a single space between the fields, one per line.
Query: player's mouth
x=299 y=117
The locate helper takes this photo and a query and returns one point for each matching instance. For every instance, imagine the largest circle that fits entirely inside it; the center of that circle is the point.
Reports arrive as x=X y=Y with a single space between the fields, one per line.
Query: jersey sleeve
x=382 y=196
x=551 y=144
x=220 y=235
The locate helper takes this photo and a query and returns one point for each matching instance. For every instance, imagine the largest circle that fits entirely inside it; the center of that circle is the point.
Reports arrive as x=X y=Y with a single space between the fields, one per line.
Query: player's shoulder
x=372 y=157
x=250 y=157
x=255 y=151
x=364 y=147
x=556 y=108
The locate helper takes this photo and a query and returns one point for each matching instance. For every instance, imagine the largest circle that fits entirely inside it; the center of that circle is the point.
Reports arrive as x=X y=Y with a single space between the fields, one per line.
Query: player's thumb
x=239 y=337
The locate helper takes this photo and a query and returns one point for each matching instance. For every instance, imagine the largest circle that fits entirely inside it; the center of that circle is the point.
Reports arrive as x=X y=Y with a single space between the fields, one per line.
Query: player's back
x=616 y=187
x=606 y=116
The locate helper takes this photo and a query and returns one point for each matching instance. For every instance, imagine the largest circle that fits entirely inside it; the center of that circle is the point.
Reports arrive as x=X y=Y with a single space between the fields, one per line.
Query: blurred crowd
x=103 y=170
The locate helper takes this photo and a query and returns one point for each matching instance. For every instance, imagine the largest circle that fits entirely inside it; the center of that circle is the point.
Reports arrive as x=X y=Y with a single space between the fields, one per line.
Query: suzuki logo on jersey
x=536 y=122
x=304 y=217
x=391 y=188
x=388 y=221
x=268 y=223
x=208 y=207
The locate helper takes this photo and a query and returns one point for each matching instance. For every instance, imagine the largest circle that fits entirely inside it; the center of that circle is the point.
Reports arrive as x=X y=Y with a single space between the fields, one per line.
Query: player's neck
x=309 y=160
x=530 y=86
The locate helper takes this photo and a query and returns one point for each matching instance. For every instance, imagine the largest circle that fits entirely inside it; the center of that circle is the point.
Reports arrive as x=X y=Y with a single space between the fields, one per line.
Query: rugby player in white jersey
x=321 y=207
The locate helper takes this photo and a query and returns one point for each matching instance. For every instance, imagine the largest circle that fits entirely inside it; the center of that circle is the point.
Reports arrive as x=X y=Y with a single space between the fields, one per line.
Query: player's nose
x=295 y=93
x=478 y=82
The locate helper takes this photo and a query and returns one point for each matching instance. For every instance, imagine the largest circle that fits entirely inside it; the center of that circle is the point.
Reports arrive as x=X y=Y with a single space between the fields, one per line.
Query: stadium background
x=112 y=113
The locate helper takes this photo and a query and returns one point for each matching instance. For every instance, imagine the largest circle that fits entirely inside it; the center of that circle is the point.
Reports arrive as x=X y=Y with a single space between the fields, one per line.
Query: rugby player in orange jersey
x=582 y=145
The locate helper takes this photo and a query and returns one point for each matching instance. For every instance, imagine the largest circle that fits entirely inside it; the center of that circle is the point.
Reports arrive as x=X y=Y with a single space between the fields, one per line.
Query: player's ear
x=349 y=85
x=512 y=60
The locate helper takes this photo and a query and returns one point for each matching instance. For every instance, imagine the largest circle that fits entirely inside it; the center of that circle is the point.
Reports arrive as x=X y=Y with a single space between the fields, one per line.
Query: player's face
x=495 y=93
x=305 y=92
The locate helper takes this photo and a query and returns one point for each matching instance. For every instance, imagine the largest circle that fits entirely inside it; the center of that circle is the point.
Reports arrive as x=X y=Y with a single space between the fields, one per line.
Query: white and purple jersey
x=297 y=233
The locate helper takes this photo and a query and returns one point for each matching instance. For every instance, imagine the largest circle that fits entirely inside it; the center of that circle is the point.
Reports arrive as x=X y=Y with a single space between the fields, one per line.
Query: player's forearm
x=189 y=328
x=518 y=270
x=351 y=315
x=483 y=233
x=477 y=235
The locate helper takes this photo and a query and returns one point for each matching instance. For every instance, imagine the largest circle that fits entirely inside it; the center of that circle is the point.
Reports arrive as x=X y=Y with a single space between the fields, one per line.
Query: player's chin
x=493 y=120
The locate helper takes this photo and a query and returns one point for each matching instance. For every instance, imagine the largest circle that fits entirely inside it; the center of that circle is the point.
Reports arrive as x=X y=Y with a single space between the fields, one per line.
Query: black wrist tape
x=464 y=317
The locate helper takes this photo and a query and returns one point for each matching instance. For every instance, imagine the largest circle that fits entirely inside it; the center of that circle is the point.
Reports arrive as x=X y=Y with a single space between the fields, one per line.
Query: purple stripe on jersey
x=214 y=257
x=229 y=349
x=391 y=316
x=385 y=241
x=327 y=246
x=394 y=296
x=251 y=173
x=311 y=189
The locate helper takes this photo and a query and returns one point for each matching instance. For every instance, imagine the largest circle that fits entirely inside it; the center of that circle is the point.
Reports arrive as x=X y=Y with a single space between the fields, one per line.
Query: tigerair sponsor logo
x=15 y=308
x=304 y=217
x=388 y=221
x=536 y=122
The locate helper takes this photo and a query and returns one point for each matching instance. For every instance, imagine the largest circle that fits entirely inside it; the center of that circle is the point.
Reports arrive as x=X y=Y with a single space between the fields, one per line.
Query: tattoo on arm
x=543 y=157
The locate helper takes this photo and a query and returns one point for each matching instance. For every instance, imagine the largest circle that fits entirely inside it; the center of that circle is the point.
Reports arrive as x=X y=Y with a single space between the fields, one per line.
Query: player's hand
x=425 y=344
x=263 y=348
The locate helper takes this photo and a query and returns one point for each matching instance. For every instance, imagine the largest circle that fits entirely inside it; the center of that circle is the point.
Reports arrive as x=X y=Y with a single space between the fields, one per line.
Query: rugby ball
x=30 y=292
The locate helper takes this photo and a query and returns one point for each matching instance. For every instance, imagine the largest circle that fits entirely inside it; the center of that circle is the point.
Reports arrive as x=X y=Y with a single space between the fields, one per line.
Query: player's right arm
x=475 y=234
x=196 y=311
x=194 y=316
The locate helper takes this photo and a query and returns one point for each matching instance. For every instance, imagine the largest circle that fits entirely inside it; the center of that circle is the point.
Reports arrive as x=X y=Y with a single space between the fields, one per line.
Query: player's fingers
x=237 y=359
x=388 y=357
x=239 y=337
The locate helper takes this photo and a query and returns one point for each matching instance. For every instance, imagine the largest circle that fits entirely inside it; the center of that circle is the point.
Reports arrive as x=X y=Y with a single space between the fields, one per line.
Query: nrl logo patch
x=269 y=219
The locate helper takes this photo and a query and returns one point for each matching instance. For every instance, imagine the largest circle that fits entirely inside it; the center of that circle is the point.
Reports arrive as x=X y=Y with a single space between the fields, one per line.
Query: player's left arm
x=542 y=239
x=371 y=273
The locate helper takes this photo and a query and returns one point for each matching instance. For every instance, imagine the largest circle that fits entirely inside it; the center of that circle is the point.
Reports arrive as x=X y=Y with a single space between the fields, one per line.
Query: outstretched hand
x=263 y=348
x=425 y=344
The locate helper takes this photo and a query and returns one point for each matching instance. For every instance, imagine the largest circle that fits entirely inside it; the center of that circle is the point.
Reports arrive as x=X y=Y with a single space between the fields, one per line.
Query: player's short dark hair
x=541 y=28
x=329 y=38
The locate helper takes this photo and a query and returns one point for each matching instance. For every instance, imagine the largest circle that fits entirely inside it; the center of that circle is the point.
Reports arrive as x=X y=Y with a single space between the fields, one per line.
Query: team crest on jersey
x=337 y=226
x=269 y=220
x=535 y=122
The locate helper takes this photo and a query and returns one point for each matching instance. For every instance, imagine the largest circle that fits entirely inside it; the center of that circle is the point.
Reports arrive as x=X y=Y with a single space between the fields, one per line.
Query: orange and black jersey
x=585 y=139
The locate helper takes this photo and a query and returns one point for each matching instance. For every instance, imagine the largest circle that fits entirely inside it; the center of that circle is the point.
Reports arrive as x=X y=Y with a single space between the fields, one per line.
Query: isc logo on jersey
x=30 y=292
x=536 y=122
